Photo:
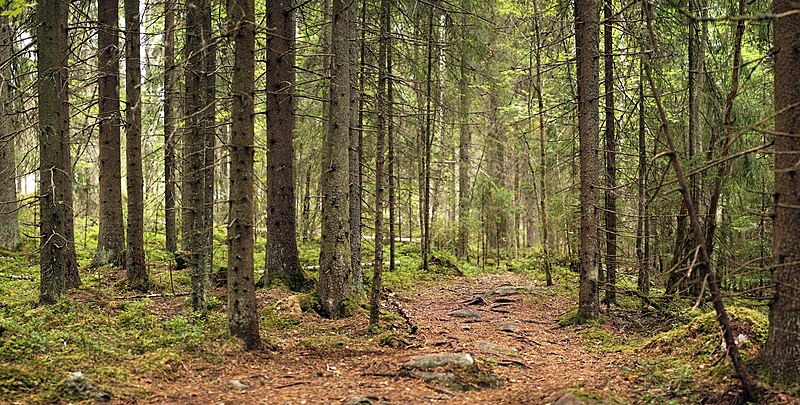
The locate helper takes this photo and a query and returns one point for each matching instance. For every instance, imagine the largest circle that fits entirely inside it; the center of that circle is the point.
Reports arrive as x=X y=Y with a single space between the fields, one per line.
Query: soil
x=516 y=337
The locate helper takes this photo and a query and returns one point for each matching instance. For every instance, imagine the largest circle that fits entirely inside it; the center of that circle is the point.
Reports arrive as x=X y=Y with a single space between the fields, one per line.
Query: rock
x=509 y=327
x=465 y=313
x=237 y=385
x=569 y=399
x=444 y=378
x=431 y=361
x=508 y=290
x=76 y=385
x=490 y=347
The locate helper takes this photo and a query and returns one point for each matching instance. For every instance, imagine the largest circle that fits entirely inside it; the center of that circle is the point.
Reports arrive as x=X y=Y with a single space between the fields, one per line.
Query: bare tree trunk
x=542 y=149
x=642 y=222
x=135 y=268
x=9 y=216
x=586 y=42
x=782 y=351
x=209 y=49
x=194 y=147
x=427 y=140
x=242 y=307
x=356 y=140
x=111 y=237
x=462 y=246
x=390 y=140
x=170 y=138
x=375 y=296
x=56 y=247
x=611 y=157
x=335 y=257
x=282 y=261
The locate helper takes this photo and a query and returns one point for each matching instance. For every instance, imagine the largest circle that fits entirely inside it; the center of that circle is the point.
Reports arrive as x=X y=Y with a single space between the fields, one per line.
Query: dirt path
x=324 y=361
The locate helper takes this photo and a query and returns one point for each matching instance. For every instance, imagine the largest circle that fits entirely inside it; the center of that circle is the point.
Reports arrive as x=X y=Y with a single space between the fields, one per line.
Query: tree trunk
x=170 y=137
x=356 y=140
x=282 y=260
x=782 y=351
x=335 y=258
x=135 y=268
x=611 y=157
x=194 y=145
x=54 y=181
x=381 y=105
x=9 y=217
x=242 y=307
x=462 y=246
x=209 y=111
x=111 y=237
x=586 y=42
x=542 y=151
x=390 y=141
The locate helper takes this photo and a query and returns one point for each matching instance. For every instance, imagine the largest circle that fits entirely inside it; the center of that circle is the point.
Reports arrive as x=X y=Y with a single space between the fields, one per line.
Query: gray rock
x=509 y=290
x=444 y=378
x=78 y=386
x=490 y=347
x=431 y=361
x=237 y=385
x=569 y=399
x=465 y=313
x=509 y=327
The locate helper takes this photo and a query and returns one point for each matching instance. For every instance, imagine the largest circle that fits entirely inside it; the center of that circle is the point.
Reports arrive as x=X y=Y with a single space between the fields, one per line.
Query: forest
x=400 y=201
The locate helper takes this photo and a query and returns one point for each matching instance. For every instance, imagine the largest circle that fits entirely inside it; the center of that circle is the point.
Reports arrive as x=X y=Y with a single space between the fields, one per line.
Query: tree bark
x=282 y=260
x=462 y=245
x=111 y=236
x=170 y=134
x=9 y=216
x=242 y=307
x=135 y=268
x=194 y=146
x=542 y=150
x=335 y=259
x=54 y=182
x=356 y=135
x=611 y=156
x=782 y=351
x=586 y=42
x=209 y=111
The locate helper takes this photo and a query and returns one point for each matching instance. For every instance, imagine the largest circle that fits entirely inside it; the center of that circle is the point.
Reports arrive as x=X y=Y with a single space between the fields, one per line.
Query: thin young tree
x=282 y=261
x=54 y=181
x=242 y=311
x=170 y=134
x=335 y=259
x=356 y=141
x=586 y=43
x=135 y=268
x=464 y=140
x=782 y=351
x=111 y=235
x=9 y=216
x=377 y=278
x=611 y=154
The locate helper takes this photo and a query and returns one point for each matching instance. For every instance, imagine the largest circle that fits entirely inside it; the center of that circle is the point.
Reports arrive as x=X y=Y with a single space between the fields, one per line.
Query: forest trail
x=514 y=334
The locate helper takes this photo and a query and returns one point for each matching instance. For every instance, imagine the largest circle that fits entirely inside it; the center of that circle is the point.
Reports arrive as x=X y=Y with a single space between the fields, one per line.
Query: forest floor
x=512 y=340
x=518 y=338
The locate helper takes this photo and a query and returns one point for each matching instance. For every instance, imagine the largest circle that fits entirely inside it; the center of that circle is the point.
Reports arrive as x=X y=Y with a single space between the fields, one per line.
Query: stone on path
x=431 y=361
x=237 y=385
x=495 y=348
x=569 y=399
x=508 y=290
x=509 y=327
x=465 y=313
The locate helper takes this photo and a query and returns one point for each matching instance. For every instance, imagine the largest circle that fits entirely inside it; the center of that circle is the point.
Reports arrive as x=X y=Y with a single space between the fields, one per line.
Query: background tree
x=170 y=130
x=282 y=260
x=9 y=216
x=111 y=238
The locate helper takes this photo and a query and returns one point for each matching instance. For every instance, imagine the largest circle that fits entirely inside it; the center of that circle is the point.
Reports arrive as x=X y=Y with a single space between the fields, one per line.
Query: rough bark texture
x=242 y=311
x=462 y=245
x=377 y=277
x=209 y=112
x=357 y=273
x=586 y=42
x=170 y=137
x=611 y=156
x=111 y=236
x=9 y=217
x=193 y=195
x=135 y=268
x=54 y=182
x=282 y=261
x=334 y=258
x=782 y=351
x=390 y=146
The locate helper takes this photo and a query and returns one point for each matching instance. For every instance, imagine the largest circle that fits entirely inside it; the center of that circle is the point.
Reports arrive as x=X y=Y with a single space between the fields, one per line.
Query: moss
x=572 y=317
x=309 y=302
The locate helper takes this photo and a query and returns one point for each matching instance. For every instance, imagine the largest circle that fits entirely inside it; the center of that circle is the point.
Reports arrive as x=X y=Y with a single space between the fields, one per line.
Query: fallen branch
x=16 y=277
x=143 y=296
x=398 y=308
x=291 y=384
x=441 y=390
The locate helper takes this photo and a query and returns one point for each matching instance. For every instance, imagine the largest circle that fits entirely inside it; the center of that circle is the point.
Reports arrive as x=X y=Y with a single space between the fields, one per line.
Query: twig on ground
x=143 y=296
x=16 y=277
